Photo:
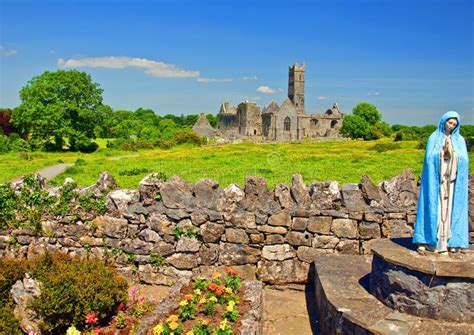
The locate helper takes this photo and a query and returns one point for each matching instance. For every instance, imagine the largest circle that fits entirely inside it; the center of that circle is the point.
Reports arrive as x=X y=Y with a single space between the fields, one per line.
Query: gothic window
x=333 y=123
x=287 y=124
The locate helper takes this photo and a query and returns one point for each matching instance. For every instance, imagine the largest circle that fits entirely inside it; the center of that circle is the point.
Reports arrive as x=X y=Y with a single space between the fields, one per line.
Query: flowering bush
x=216 y=299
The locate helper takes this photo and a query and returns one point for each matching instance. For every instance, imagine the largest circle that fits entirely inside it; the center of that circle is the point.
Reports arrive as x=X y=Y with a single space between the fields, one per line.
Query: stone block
x=297 y=238
x=320 y=224
x=344 y=228
x=274 y=239
x=237 y=254
x=325 y=242
x=188 y=244
x=281 y=219
x=244 y=220
x=373 y=217
x=396 y=228
x=282 y=272
x=299 y=223
x=272 y=230
x=209 y=254
x=257 y=238
x=306 y=254
x=183 y=261
x=212 y=232
x=369 y=230
x=236 y=236
x=350 y=247
x=278 y=252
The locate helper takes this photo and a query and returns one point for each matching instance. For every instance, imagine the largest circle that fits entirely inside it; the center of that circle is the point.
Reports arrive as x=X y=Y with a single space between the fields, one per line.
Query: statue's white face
x=450 y=125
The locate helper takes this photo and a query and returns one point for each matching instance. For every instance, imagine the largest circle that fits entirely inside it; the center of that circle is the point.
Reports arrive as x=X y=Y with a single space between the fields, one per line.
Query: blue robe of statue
x=426 y=226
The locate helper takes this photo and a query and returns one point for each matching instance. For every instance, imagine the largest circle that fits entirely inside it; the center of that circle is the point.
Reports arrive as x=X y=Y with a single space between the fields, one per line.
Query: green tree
x=60 y=105
x=355 y=126
x=368 y=112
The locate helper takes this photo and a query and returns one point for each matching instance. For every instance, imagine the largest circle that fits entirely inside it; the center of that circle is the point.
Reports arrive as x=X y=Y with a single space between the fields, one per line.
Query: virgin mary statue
x=441 y=219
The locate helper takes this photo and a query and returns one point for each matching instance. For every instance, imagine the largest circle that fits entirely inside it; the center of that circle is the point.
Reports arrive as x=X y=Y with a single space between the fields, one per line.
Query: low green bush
x=385 y=146
x=70 y=289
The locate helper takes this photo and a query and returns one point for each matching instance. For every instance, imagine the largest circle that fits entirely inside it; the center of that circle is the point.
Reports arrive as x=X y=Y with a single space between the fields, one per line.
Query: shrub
x=382 y=147
x=187 y=136
x=71 y=288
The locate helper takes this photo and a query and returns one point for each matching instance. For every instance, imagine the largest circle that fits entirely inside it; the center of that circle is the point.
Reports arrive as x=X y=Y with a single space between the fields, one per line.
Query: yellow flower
x=223 y=324
x=190 y=332
x=213 y=299
x=202 y=301
x=172 y=318
x=232 y=303
x=230 y=308
x=228 y=290
x=158 y=329
x=173 y=325
x=72 y=331
x=205 y=322
x=197 y=291
x=216 y=275
x=183 y=303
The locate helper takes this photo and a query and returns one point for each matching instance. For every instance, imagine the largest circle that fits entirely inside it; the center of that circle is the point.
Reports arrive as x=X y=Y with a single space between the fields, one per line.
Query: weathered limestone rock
x=163 y=248
x=23 y=293
x=136 y=246
x=401 y=189
x=344 y=228
x=396 y=228
x=176 y=193
x=325 y=195
x=306 y=254
x=369 y=230
x=209 y=254
x=297 y=238
x=110 y=226
x=325 y=242
x=119 y=200
x=299 y=223
x=166 y=275
x=352 y=197
x=272 y=230
x=149 y=186
x=199 y=217
x=283 y=218
x=279 y=272
x=183 y=261
x=278 y=252
x=149 y=235
x=206 y=192
x=283 y=195
x=299 y=191
x=244 y=220
x=258 y=196
x=212 y=232
x=274 y=239
x=236 y=236
x=229 y=198
x=320 y=224
x=237 y=254
x=350 y=247
x=187 y=244
x=373 y=217
x=257 y=238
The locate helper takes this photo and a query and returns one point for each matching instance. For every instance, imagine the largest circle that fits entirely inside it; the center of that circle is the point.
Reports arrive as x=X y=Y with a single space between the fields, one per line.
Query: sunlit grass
x=343 y=161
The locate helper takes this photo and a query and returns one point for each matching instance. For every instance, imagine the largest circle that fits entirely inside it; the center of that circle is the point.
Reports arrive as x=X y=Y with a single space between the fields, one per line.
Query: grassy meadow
x=343 y=161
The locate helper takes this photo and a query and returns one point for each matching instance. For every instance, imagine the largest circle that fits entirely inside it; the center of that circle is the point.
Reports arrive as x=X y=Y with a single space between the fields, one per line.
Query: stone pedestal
x=431 y=285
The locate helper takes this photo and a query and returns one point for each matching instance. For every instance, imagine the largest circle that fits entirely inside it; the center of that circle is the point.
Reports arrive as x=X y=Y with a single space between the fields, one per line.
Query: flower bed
x=222 y=305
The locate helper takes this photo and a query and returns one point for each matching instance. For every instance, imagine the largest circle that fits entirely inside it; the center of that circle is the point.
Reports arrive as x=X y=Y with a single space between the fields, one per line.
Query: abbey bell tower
x=296 y=86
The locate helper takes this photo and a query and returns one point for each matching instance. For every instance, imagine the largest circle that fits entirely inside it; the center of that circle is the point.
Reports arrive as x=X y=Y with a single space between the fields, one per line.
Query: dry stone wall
x=172 y=229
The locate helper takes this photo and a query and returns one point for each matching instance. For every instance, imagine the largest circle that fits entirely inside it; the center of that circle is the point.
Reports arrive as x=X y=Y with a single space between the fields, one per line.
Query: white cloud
x=322 y=97
x=151 y=67
x=213 y=80
x=256 y=98
x=7 y=52
x=373 y=94
x=268 y=90
x=249 y=78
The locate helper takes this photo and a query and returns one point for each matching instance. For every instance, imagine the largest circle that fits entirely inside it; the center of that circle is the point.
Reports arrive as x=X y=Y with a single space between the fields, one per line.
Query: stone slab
x=403 y=253
x=346 y=307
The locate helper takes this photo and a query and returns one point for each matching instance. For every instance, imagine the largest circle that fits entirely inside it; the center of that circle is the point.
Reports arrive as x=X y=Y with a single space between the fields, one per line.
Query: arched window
x=333 y=123
x=287 y=124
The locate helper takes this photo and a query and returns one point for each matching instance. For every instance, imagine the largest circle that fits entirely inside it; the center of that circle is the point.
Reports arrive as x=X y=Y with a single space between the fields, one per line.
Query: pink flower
x=91 y=318
x=141 y=299
x=120 y=307
x=134 y=291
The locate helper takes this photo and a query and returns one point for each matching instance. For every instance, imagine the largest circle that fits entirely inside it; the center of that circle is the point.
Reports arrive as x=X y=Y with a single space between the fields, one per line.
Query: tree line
x=64 y=110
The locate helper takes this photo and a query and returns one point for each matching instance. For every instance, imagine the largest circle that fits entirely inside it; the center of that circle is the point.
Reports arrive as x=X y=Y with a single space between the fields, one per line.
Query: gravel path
x=52 y=171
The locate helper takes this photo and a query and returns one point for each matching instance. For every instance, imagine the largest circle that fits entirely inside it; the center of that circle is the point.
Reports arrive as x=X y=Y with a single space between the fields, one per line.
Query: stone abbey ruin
x=285 y=123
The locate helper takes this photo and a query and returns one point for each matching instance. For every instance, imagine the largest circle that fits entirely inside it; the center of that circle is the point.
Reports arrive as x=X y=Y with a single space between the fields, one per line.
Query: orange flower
x=188 y=297
x=213 y=287
x=231 y=271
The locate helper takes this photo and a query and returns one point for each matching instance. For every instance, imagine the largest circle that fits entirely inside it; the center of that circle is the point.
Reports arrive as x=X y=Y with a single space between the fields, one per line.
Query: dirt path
x=116 y=158
x=49 y=172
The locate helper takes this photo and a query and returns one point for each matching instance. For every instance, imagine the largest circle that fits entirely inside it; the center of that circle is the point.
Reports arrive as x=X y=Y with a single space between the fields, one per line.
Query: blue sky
x=413 y=59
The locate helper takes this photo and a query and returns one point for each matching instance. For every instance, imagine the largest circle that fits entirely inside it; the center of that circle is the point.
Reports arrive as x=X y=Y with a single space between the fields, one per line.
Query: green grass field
x=343 y=161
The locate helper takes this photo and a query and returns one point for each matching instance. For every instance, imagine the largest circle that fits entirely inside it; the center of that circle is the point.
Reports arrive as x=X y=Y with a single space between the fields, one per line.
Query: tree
x=354 y=126
x=60 y=105
x=368 y=112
